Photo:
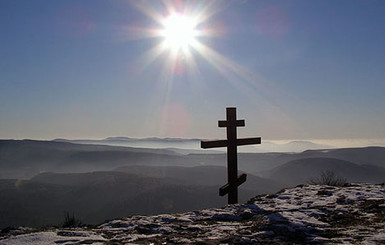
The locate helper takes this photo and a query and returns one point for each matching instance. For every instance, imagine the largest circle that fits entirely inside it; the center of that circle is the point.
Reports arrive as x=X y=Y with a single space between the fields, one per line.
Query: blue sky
x=294 y=69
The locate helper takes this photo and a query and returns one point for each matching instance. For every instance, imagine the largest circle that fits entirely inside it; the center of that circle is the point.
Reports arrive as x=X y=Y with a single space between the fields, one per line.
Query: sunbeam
x=180 y=31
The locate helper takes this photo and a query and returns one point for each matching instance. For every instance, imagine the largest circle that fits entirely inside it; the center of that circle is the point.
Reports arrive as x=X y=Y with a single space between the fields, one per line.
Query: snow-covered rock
x=307 y=214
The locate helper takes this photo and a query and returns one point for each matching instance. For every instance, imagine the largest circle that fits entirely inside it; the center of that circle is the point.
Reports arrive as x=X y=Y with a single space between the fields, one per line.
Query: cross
x=233 y=181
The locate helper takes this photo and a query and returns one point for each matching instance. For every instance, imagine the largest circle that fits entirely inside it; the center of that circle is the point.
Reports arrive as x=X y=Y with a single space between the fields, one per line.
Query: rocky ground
x=307 y=214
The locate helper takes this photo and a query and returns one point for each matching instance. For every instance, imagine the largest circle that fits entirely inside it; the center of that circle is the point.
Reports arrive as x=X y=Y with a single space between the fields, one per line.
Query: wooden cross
x=233 y=181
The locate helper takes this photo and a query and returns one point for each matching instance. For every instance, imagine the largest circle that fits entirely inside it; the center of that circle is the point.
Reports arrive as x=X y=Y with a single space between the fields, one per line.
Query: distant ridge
x=153 y=142
x=129 y=139
x=292 y=146
x=119 y=138
x=194 y=144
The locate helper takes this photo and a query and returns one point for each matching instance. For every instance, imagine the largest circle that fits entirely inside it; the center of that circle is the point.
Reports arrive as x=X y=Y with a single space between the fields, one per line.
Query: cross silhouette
x=233 y=181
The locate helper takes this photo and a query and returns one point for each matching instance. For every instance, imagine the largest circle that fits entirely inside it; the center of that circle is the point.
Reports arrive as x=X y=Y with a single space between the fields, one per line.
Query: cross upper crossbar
x=231 y=124
x=224 y=124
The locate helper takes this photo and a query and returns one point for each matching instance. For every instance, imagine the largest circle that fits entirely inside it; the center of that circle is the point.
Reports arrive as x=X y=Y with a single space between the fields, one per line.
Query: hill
x=308 y=214
x=302 y=170
x=95 y=197
x=202 y=175
x=366 y=155
x=98 y=196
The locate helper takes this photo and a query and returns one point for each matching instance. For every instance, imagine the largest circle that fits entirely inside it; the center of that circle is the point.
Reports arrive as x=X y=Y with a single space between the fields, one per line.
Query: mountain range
x=178 y=144
x=40 y=180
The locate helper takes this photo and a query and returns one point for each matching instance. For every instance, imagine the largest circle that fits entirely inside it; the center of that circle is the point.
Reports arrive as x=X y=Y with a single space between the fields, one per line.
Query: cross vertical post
x=232 y=160
x=233 y=181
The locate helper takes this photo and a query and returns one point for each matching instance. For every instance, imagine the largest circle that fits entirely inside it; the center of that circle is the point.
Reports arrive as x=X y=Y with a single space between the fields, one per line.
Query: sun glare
x=182 y=29
x=179 y=31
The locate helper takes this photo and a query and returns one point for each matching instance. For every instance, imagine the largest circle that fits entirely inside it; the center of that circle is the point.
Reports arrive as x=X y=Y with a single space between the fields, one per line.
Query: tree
x=328 y=177
x=70 y=221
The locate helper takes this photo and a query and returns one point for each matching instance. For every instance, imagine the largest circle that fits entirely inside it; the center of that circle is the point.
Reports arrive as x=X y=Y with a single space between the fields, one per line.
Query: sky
x=310 y=70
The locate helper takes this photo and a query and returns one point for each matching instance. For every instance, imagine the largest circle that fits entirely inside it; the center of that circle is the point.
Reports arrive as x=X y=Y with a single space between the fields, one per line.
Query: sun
x=179 y=31
x=182 y=33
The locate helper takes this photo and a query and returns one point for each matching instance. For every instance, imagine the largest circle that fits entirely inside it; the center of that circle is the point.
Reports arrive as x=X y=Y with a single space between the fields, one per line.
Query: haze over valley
x=41 y=180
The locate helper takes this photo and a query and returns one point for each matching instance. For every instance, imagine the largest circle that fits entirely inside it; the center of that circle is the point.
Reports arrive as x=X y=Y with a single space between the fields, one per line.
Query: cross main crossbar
x=206 y=144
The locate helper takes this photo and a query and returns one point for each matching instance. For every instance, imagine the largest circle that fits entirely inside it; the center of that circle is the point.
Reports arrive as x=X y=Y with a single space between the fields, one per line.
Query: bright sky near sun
x=93 y=69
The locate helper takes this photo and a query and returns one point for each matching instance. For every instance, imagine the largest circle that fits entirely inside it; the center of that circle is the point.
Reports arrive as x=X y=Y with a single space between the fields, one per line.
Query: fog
x=41 y=180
